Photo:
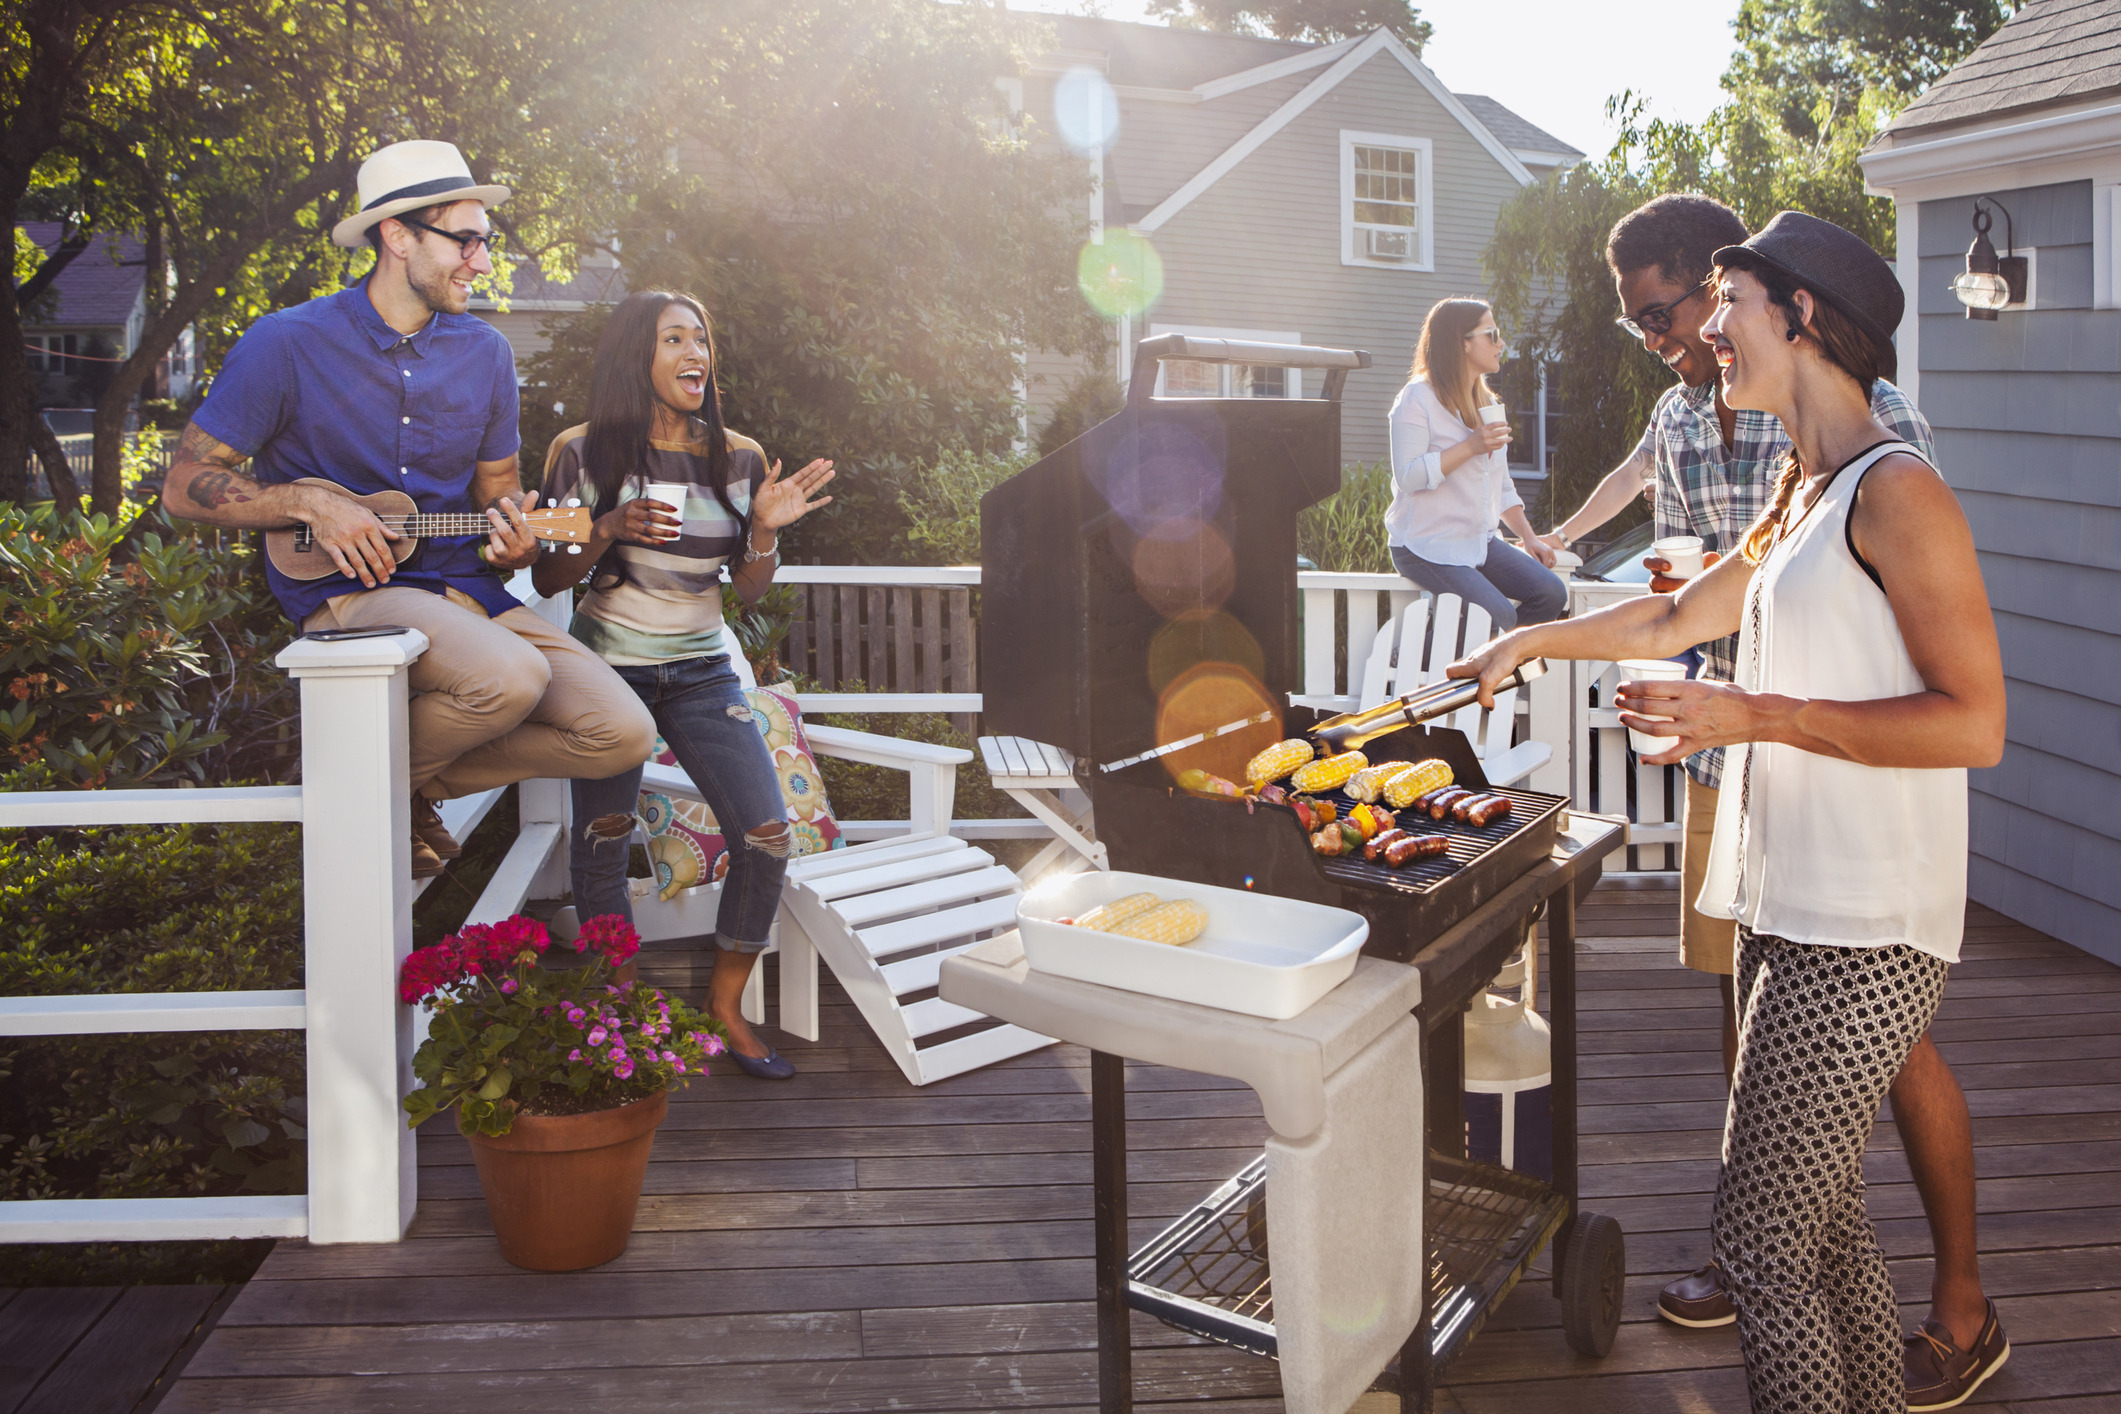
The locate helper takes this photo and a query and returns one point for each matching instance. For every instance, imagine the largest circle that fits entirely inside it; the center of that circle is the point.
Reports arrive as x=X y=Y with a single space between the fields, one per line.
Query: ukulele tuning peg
x=573 y=501
x=574 y=549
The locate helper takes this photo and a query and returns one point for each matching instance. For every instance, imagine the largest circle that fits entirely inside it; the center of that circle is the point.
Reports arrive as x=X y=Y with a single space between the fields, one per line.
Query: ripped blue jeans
x=699 y=708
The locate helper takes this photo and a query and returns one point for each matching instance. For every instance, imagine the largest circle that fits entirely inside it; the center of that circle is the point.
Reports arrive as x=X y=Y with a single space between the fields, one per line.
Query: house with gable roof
x=2024 y=405
x=1296 y=193
x=90 y=321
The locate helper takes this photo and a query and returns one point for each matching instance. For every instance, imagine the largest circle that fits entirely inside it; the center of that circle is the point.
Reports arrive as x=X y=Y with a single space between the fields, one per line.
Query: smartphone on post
x=340 y=635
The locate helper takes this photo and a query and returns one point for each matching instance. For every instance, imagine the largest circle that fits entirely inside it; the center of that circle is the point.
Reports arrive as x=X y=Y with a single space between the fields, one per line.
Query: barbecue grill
x=1138 y=590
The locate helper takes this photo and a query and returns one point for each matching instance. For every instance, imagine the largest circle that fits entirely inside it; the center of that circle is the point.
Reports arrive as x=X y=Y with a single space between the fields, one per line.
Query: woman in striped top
x=654 y=612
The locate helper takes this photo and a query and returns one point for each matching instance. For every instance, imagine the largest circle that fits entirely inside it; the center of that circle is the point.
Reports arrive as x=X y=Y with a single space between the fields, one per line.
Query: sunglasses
x=1493 y=336
x=468 y=242
x=1657 y=319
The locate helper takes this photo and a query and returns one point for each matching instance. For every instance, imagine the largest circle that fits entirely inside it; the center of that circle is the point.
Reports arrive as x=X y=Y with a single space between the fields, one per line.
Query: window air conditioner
x=1388 y=244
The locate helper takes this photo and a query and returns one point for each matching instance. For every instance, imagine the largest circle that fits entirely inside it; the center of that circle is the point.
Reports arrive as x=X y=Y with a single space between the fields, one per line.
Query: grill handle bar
x=1352 y=729
x=1149 y=354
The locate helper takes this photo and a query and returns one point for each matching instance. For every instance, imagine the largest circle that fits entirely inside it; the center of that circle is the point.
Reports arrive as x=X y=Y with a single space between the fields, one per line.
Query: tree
x=1810 y=85
x=874 y=246
x=1315 y=21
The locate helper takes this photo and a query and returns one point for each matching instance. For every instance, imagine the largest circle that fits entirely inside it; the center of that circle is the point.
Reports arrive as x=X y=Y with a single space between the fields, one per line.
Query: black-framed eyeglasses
x=1657 y=319
x=468 y=242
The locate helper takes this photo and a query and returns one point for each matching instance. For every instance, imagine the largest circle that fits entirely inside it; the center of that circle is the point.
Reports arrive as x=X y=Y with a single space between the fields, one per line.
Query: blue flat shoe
x=771 y=1066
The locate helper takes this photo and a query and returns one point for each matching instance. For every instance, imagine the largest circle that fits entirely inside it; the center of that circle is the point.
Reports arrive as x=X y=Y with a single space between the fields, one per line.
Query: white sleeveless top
x=1834 y=853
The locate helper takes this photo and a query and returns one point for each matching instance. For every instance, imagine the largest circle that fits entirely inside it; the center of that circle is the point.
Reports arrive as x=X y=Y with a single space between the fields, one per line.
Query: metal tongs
x=1440 y=699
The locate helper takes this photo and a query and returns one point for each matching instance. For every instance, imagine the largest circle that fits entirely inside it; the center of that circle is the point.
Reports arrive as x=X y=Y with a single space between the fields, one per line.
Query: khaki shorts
x=1705 y=944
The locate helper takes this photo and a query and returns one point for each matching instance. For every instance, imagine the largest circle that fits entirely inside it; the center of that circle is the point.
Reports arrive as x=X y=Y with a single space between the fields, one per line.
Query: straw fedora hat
x=408 y=175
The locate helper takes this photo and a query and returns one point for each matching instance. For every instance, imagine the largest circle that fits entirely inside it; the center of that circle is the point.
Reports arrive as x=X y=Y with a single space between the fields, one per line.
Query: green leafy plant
x=761 y=628
x=863 y=792
x=510 y=1037
x=940 y=501
x=128 y=659
x=1346 y=531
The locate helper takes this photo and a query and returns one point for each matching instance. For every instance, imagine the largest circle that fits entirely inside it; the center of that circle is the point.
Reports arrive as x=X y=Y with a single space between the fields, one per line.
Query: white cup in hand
x=1493 y=413
x=670 y=493
x=1650 y=670
x=1681 y=552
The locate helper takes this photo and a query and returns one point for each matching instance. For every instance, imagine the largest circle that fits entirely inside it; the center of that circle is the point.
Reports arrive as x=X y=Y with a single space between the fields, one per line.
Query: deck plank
x=844 y=1242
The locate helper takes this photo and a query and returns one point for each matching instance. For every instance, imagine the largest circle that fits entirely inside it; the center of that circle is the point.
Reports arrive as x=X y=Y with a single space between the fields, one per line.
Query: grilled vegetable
x=1368 y=784
x=1323 y=811
x=1204 y=783
x=1370 y=820
x=1333 y=771
x=1107 y=917
x=1178 y=922
x=1351 y=835
x=1278 y=760
x=1418 y=780
x=1273 y=794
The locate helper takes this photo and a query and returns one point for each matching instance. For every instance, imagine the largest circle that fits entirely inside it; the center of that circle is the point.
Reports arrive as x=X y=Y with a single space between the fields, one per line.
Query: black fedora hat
x=1837 y=264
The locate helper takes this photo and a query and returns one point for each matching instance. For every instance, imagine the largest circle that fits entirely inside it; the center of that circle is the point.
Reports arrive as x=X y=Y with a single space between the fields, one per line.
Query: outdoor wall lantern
x=1990 y=282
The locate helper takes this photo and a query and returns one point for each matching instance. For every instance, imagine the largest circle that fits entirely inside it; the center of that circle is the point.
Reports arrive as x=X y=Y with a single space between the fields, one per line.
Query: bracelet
x=751 y=554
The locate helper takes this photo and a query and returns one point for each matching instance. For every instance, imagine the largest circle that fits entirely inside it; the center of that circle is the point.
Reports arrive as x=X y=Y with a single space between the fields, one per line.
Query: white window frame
x=1295 y=376
x=1425 y=185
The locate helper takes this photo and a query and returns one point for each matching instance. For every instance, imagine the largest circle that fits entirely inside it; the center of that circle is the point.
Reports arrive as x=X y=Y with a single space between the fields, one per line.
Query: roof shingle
x=2051 y=52
x=101 y=284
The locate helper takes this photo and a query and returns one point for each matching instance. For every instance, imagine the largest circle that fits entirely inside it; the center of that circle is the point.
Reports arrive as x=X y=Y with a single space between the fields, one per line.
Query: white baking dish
x=1259 y=955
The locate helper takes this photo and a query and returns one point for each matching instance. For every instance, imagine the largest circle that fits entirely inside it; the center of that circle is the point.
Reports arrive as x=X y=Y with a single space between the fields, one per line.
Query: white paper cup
x=1651 y=670
x=1683 y=552
x=670 y=493
x=1494 y=412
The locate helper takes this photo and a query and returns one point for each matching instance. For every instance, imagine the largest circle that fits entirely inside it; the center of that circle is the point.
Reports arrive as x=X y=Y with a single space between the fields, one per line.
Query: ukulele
x=295 y=553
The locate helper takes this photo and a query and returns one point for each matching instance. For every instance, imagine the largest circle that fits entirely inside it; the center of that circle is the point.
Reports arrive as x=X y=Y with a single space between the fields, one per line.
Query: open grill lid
x=1142 y=578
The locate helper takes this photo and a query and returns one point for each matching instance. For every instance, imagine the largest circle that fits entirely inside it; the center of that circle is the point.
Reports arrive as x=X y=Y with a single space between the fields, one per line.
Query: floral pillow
x=685 y=843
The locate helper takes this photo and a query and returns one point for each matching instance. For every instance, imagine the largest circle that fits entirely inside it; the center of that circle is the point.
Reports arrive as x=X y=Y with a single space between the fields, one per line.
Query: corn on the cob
x=1278 y=760
x=1107 y=917
x=1368 y=784
x=1207 y=783
x=1424 y=777
x=1326 y=774
x=1177 y=922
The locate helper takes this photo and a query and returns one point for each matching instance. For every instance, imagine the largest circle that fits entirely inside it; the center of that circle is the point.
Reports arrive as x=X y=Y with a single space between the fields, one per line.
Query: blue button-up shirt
x=328 y=389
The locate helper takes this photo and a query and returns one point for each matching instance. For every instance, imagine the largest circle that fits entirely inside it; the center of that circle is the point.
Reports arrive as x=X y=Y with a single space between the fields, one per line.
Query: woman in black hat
x=1869 y=680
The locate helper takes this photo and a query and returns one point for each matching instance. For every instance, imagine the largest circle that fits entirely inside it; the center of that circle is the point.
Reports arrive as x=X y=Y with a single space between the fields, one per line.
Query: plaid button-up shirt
x=1706 y=489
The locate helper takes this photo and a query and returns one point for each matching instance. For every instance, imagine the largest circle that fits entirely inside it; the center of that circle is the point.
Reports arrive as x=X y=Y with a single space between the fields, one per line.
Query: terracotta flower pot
x=562 y=1189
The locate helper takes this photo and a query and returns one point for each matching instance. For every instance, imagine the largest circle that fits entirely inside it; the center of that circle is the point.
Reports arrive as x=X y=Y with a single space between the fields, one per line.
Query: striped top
x=664 y=604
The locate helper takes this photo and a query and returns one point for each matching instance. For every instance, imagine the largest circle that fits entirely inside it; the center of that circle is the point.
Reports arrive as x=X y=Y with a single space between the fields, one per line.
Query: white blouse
x=1446 y=520
x=1813 y=848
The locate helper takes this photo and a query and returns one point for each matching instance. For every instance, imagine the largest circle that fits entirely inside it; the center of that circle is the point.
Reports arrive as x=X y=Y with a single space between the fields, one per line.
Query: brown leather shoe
x=427 y=825
x=1698 y=1301
x=1940 y=1375
x=425 y=862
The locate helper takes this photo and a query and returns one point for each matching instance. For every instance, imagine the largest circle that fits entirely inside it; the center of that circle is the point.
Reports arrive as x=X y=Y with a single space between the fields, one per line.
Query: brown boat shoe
x=427 y=826
x=1942 y=1376
x=425 y=862
x=1698 y=1301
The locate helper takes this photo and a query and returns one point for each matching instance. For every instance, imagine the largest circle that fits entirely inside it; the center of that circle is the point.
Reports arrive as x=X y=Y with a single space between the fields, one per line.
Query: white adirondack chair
x=1041 y=778
x=1408 y=655
x=883 y=915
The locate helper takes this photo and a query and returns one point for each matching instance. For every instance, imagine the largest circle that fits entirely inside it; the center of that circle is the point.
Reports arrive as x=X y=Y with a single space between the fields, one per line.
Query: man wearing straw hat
x=390 y=385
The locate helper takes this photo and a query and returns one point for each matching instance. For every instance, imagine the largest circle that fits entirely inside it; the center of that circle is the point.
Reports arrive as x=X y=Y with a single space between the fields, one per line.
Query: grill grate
x=1209 y=1273
x=1467 y=844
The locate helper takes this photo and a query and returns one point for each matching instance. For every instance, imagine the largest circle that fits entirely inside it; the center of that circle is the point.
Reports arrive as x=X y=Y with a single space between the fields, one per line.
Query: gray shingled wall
x=2028 y=417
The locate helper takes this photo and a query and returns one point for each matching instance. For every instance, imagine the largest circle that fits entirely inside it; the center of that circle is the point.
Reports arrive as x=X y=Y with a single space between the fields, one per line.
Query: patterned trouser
x=1823 y=1032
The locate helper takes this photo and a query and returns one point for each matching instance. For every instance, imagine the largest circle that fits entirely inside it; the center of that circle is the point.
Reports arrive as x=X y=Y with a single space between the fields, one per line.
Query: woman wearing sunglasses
x=654 y=612
x=1451 y=488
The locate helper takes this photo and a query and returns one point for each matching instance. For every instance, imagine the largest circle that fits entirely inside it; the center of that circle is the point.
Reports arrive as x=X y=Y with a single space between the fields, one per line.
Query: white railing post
x=545 y=801
x=357 y=912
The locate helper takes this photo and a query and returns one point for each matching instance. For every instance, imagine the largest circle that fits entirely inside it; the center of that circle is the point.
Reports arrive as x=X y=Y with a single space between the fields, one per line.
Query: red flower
x=428 y=971
x=610 y=935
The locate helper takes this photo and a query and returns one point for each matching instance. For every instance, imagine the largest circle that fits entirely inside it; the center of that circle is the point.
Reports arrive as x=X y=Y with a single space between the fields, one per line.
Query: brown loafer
x=427 y=825
x=1698 y=1301
x=425 y=862
x=1942 y=1376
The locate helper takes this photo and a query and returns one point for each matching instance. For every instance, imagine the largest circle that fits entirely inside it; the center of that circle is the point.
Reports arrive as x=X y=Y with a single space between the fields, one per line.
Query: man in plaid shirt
x=1711 y=471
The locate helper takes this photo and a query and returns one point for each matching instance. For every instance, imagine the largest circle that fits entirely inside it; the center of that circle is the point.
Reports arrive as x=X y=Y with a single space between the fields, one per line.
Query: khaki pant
x=1705 y=944
x=499 y=700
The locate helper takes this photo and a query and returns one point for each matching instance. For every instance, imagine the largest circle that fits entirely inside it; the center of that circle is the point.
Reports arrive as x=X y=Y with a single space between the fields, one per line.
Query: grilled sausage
x=1378 y=843
x=1428 y=800
x=1441 y=802
x=1494 y=808
x=1412 y=847
x=1464 y=804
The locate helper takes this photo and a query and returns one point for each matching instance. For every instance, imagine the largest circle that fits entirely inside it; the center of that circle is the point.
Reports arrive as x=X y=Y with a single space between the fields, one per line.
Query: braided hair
x=1845 y=346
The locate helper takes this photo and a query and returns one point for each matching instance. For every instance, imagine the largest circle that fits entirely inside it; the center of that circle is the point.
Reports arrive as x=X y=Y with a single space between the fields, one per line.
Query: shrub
x=1345 y=532
x=941 y=504
x=1091 y=397
x=862 y=792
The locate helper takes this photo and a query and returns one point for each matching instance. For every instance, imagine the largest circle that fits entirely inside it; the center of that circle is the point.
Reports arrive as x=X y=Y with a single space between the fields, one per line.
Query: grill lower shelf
x=1208 y=1274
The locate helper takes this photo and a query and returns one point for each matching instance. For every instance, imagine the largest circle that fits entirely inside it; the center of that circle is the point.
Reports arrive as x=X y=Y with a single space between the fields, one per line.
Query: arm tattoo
x=216 y=488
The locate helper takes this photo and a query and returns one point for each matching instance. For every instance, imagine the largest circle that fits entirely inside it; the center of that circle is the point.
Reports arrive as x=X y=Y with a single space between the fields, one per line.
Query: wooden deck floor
x=846 y=1243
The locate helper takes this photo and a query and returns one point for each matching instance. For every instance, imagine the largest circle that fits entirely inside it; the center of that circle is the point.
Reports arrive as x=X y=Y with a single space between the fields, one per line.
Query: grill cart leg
x=1108 y=1164
x=1561 y=995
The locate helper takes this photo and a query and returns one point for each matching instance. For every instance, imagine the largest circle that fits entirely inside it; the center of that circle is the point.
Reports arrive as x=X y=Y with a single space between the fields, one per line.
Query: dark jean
x=699 y=707
x=1508 y=574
